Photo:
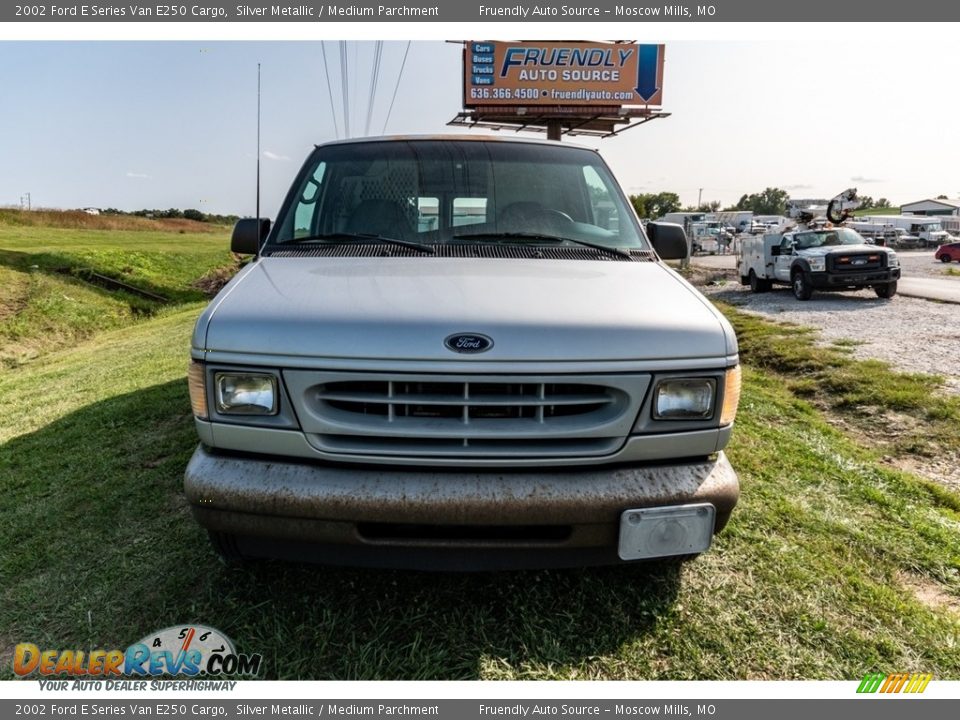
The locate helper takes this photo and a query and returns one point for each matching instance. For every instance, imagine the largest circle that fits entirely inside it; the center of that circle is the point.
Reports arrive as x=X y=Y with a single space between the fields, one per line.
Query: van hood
x=404 y=309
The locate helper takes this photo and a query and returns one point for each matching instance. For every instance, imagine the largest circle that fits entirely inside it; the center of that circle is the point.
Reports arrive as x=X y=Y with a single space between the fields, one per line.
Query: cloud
x=139 y=176
x=862 y=180
x=273 y=156
x=800 y=186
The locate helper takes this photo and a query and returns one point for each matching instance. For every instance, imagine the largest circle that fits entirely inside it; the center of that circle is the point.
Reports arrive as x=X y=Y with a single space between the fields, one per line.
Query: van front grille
x=483 y=416
x=465 y=401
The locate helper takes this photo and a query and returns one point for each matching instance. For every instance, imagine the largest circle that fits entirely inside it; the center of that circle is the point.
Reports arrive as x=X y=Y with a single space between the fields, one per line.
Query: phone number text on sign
x=495 y=93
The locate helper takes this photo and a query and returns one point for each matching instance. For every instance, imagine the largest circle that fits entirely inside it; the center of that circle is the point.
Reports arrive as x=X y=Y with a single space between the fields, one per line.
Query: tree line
x=188 y=214
x=771 y=201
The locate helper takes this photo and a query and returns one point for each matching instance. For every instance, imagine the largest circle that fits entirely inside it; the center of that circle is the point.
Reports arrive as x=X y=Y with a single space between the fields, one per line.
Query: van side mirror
x=248 y=234
x=775 y=250
x=668 y=239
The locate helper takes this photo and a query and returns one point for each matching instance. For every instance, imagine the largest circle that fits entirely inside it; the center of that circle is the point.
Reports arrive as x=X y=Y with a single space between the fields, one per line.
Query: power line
x=396 y=87
x=344 y=87
x=326 y=71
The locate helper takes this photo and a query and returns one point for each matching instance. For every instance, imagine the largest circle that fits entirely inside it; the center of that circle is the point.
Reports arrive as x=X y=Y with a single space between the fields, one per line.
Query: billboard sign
x=562 y=73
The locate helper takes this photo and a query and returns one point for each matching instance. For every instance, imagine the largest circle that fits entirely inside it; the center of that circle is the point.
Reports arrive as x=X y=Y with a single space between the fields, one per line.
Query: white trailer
x=950 y=224
x=684 y=218
x=741 y=220
x=878 y=232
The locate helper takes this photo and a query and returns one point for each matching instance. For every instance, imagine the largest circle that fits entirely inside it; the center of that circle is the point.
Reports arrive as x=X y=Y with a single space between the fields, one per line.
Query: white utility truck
x=817 y=254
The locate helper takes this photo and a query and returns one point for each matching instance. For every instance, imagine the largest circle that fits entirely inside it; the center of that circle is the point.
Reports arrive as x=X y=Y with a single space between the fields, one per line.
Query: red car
x=948 y=252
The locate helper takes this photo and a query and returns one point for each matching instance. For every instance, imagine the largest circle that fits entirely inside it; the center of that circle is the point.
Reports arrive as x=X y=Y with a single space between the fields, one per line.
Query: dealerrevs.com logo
x=180 y=650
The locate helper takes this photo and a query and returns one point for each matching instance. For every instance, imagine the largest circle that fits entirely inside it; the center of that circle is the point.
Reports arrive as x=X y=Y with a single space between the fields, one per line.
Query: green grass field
x=46 y=301
x=876 y=211
x=834 y=564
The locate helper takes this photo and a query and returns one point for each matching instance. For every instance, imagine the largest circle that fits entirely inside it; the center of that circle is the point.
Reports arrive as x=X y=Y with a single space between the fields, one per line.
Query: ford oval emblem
x=468 y=343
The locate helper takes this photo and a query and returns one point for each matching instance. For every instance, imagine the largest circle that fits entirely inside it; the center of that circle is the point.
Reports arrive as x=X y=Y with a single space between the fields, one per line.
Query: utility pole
x=699 y=198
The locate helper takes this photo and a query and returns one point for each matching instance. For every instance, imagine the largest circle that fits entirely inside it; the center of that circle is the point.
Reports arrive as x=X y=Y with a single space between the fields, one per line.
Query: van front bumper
x=434 y=519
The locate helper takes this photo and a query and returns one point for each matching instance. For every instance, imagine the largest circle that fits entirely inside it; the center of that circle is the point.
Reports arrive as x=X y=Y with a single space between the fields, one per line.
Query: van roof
x=455 y=137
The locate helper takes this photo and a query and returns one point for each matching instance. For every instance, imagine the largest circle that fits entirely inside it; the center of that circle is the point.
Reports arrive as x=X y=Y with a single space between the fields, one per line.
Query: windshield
x=456 y=191
x=831 y=236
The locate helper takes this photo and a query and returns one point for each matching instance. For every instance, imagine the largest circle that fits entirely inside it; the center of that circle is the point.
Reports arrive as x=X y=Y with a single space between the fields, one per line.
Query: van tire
x=886 y=291
x=802 y=289
x=226 y=546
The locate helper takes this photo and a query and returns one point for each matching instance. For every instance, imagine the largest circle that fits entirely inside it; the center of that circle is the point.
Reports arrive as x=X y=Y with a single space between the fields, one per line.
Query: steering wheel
x=557 y=216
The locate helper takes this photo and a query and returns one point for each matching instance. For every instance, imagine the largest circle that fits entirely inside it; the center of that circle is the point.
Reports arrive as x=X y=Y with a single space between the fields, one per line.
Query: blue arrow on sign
x=648 y=61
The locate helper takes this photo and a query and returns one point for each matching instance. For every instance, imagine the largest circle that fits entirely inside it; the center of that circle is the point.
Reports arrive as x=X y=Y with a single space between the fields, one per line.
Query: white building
x=932 y=207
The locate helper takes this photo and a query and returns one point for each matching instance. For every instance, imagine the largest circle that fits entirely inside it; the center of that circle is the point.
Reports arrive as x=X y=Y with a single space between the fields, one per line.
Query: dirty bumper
x=452 y=519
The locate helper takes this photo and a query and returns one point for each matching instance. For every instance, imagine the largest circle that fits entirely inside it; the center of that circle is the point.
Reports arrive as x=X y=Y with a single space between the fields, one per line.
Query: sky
x=173 y=124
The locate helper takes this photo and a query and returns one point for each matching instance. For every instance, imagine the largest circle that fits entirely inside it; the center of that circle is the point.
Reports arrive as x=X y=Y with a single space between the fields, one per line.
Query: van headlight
x=684 y=399
x=893 y=260
x=817 y=264
x=243 y=393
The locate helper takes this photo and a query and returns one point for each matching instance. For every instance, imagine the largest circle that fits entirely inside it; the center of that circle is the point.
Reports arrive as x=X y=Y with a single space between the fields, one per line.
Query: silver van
x=461 y=353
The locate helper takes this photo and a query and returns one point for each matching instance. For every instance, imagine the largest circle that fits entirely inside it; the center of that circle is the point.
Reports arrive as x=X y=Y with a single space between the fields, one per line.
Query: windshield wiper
x=346 y=237
x=555 y=239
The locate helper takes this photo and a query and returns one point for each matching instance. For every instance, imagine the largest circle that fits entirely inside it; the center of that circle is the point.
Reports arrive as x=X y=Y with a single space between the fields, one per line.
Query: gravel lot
x=911 y=334
x=921 y=263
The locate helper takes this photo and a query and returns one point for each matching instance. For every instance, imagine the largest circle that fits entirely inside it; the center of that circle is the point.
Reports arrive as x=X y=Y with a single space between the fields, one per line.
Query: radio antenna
x=258 y=145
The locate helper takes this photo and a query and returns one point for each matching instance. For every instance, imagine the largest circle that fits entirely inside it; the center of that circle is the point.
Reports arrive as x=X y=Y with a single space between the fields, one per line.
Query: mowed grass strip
x=911 y=408
x=817 y=575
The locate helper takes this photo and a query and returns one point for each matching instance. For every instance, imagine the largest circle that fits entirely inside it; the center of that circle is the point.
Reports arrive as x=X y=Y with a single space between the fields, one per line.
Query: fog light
x=684 y=399
x=662 y=532
x=246 y=394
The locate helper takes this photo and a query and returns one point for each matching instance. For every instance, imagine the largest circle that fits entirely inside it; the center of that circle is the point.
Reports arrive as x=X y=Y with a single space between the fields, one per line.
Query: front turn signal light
x=196 y=380
x=731 y=395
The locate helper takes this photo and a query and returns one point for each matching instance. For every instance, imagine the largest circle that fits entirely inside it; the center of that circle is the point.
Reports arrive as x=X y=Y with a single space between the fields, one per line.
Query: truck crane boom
x=839 y=209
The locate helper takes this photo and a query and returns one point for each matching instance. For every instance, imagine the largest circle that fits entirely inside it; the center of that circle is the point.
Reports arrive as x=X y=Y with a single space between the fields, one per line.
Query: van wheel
x=802 y=289
x=226 y=546
x=886 y=291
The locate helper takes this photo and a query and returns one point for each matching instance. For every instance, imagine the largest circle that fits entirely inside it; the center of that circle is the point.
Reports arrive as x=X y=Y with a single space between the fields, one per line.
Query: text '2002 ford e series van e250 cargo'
x=461 y=353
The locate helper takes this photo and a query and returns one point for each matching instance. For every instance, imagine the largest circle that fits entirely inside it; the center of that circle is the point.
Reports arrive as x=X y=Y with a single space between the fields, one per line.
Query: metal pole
x=258 y=146
x=699 y=198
